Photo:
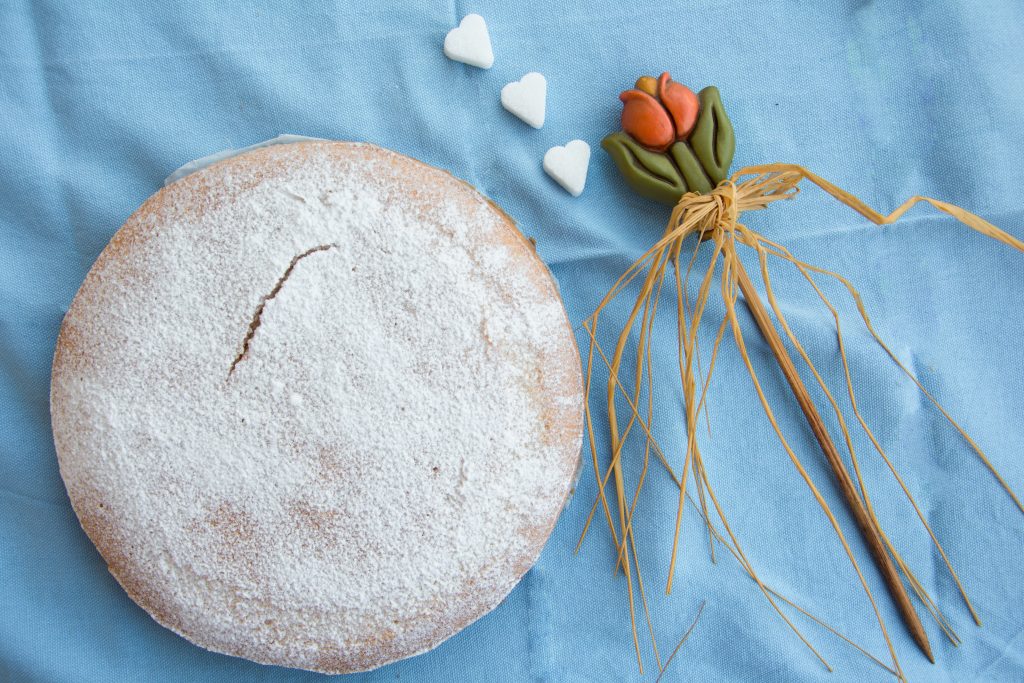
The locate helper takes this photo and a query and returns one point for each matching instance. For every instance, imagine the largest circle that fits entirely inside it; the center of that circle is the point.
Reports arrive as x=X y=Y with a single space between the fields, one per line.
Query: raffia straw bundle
x=714 y=217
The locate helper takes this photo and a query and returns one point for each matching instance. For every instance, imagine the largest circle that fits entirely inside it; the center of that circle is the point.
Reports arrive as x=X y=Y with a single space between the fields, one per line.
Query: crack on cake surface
x=258 y=314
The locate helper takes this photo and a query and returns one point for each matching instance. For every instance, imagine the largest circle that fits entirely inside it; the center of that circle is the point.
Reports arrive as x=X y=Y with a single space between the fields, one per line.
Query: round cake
x=318 y=405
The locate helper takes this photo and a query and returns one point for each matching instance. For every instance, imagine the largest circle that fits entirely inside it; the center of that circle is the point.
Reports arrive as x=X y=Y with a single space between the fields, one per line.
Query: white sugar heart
x=470 y=43
x=568 y=165
x=527 y=98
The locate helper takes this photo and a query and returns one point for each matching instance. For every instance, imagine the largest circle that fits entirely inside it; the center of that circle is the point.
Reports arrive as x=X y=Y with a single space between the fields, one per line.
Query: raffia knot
x=718 y=211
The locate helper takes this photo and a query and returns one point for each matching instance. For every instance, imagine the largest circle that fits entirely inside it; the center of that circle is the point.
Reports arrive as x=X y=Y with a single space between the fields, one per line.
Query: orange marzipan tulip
x=681 y=103
x=646 y=120
x=657 y=113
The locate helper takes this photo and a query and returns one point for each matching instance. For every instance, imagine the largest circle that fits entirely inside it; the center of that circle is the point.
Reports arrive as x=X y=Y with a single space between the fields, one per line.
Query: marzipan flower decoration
x=659 y=112
x=672 y=141
x=676 y=147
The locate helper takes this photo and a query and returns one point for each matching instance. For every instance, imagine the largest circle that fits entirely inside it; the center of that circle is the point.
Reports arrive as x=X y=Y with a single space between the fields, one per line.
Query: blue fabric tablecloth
x=99 y=101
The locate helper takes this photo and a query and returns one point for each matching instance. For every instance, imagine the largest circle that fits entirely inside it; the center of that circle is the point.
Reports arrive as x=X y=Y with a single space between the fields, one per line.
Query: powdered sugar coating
x=318 y=406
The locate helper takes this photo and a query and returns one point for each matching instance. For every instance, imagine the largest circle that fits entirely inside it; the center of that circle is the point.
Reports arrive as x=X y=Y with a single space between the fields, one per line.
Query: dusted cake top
x=318 y=405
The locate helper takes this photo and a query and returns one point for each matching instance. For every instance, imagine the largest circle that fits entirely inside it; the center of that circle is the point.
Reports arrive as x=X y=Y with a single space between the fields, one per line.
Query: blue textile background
x=100 y=100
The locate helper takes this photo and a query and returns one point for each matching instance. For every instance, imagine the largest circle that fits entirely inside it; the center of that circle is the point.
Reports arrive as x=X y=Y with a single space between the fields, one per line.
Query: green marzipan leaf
x=712 y=138
x=693 y=172
x=650 y=174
